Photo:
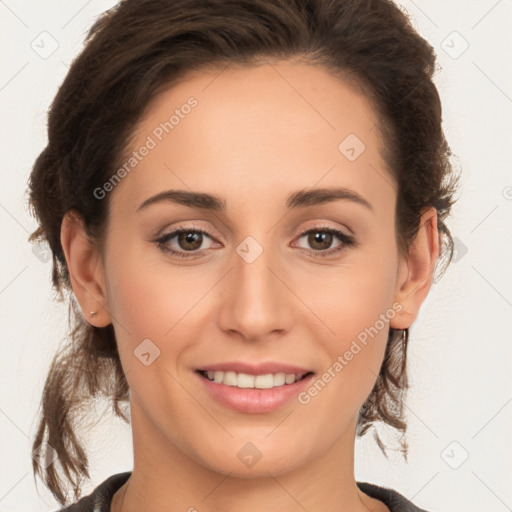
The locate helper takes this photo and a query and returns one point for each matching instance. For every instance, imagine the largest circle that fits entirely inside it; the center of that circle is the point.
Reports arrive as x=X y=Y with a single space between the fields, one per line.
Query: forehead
x=266 y=128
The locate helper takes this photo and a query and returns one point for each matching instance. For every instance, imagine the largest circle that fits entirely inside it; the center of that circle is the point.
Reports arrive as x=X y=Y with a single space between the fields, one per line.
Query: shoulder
x=100 y=498
x=395 y=501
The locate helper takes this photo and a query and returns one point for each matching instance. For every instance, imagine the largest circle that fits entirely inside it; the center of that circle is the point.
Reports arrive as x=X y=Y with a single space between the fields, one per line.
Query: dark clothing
x=100 y=499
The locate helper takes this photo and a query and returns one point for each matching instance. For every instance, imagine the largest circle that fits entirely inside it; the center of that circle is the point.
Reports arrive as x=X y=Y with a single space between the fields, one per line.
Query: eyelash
x=346 y=241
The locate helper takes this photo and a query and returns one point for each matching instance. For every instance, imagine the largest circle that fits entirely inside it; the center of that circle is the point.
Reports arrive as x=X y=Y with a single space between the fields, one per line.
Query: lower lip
x=254 y=401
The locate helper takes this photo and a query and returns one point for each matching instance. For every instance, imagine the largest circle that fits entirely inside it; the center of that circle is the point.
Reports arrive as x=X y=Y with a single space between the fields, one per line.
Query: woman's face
x=261 y=283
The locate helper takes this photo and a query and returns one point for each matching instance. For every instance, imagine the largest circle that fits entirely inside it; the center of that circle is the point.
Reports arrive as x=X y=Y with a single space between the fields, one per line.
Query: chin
x=246 y=460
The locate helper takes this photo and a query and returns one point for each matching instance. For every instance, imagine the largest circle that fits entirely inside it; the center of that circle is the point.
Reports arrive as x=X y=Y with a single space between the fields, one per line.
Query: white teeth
x=244 y=380
x=230 y=379
x=289 y=379
x=264 y=381
x=280 y=379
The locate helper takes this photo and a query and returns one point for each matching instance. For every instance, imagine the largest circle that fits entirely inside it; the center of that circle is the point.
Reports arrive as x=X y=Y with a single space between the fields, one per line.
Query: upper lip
x=254 y=369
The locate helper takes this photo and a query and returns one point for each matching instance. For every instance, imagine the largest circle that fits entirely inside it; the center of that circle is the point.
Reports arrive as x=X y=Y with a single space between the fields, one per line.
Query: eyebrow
x=299 y=199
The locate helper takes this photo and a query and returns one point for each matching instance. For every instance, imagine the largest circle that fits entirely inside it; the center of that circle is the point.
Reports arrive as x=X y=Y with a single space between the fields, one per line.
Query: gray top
x=100 y=499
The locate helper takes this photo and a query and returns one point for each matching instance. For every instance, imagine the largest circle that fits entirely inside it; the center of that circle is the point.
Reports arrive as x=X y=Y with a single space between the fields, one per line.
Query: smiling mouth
x=248 y=381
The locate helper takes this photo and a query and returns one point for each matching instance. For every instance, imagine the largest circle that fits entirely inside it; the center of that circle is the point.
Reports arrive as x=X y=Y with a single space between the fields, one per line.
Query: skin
x=257 y=135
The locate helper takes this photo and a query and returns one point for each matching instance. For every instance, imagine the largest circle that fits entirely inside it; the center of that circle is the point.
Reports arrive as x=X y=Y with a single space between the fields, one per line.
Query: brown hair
x=141 y=46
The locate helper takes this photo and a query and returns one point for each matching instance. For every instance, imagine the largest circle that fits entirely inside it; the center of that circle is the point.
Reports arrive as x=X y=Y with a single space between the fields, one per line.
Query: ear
x=416 y=271
x=85 y=267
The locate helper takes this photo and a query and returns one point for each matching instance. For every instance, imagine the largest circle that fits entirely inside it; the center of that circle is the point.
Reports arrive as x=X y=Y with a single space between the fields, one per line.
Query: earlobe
x=85 y=270
x=416 y=272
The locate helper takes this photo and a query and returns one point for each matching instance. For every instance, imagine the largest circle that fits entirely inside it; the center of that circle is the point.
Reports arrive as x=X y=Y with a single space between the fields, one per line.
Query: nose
x=255 y=300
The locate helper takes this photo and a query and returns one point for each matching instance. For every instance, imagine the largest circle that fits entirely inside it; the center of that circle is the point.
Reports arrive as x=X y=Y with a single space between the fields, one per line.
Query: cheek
x=148 y=299
x=151 y=300
x=354 y=355
x=355 y=306
x=149 y=308
x=350 y=298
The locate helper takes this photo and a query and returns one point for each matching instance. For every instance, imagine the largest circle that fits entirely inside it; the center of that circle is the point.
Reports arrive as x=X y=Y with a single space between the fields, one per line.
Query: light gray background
x=460 y=404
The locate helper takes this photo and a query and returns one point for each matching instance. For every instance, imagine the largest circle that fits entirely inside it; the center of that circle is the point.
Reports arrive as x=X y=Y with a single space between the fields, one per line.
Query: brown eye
x=190 y=240
x=320 y=240
x=185 y=242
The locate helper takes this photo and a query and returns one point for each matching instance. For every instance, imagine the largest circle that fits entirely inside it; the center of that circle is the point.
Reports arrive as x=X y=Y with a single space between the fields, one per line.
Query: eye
x=191 y=242
x=184 y=240
x=320 y=239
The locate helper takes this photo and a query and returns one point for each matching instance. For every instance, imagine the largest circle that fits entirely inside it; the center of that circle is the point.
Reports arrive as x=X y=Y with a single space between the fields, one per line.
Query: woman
x=247 y=201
